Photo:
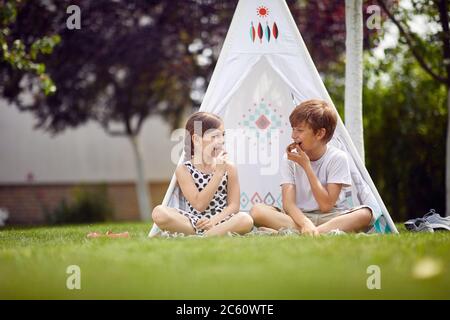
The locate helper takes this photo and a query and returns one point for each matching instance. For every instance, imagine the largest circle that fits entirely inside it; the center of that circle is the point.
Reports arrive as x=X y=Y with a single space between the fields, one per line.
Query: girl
x=209 y=184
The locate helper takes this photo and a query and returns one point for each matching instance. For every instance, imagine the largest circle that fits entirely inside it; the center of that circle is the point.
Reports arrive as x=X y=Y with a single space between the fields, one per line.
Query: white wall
x=86 y=154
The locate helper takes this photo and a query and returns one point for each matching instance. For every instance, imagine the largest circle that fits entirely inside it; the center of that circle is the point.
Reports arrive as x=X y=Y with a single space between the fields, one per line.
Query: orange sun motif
x=262 y=12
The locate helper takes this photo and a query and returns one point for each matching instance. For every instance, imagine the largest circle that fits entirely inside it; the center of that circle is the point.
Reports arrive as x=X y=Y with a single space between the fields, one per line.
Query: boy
x=313 y=176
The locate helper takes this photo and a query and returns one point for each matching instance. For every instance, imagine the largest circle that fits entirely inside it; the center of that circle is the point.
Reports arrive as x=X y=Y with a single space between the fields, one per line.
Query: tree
x=431 y=50
x=354 y=73
x=354 y=45
x=16 y=55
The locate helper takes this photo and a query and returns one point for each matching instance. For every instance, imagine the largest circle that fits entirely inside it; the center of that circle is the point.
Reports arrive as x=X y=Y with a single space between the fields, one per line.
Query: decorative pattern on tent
x=248 y=202
x=264 y=31
x=275 y=30
x=252 y=32
x=262 y=118
x=263 y=12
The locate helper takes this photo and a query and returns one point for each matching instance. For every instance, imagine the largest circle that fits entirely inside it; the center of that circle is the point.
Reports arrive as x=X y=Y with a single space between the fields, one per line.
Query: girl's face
x=212 y=142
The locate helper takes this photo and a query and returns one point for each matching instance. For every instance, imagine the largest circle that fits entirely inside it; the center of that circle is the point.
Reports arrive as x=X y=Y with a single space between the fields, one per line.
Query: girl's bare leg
x=240 y=223
x=171 y=220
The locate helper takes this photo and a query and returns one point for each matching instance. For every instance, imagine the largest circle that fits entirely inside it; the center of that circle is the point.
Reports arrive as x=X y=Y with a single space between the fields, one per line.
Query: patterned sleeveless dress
x=217 y=204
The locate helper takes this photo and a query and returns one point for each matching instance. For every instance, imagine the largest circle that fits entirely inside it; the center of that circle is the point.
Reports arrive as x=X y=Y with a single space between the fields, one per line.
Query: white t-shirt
x=332 y=167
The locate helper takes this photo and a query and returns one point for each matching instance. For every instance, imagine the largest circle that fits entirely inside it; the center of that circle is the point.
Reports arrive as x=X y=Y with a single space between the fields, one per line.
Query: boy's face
x=304 y=135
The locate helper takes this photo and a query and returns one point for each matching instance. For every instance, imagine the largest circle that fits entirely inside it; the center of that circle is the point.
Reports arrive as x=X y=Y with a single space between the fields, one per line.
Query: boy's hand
x=309 y=228
x=299 y=156
x=292 y=147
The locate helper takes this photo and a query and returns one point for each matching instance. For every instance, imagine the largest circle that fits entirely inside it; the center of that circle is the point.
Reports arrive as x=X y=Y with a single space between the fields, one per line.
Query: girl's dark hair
x=205 y=121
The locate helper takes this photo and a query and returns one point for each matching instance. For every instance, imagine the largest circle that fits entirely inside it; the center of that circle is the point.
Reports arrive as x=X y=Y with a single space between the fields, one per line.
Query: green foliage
x=405 y=124
x=90 y=204
x=21 y=56
x=405 y=120
x=405 y=113
x=428 y=40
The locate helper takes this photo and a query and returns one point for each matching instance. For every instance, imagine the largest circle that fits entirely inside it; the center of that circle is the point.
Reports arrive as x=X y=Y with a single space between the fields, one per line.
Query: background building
x=38 y=171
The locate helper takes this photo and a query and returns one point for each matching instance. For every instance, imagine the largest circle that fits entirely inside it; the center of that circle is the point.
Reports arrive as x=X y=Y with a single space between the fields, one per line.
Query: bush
x=89 y=204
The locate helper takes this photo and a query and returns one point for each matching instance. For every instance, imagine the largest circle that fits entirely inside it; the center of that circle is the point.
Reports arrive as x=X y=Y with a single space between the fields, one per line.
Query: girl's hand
x=204 y=224
x=221 y=161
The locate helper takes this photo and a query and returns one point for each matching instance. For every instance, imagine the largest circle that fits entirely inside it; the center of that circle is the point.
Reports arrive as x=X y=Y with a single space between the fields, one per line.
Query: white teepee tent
x=263 y=71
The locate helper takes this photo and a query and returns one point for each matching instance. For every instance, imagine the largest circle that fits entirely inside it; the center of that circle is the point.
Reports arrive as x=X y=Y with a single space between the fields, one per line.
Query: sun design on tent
x=259 y=30
x=262 y=12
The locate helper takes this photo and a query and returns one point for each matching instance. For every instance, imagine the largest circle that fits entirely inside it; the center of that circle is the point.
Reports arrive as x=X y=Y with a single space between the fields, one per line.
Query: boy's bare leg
x=354 y=221
x=171 y=220
x=267 y=216
x=240 y=223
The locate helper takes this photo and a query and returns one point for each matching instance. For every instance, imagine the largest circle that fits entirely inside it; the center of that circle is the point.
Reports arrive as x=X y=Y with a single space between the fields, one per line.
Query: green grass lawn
x=33 y=264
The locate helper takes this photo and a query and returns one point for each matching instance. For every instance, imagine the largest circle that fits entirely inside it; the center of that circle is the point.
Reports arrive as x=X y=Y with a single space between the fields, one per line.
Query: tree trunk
x=353 y=73
x=144 y=198
x=447 y=158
